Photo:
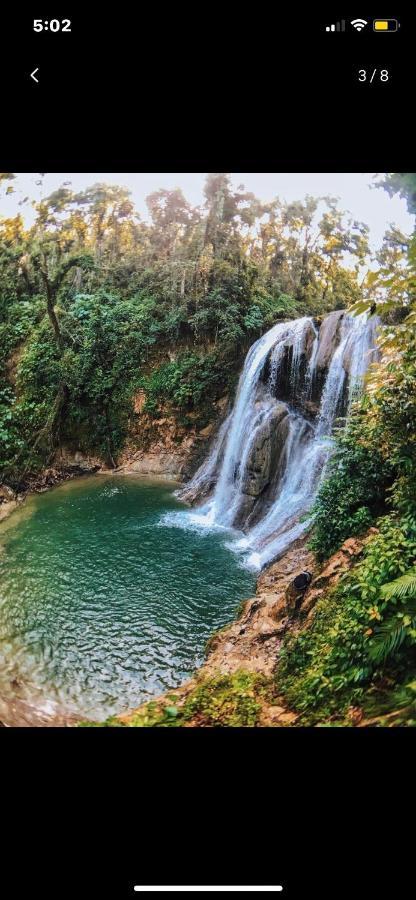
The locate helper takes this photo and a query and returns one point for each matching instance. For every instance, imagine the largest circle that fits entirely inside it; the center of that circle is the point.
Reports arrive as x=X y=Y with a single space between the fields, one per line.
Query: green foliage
x=392 y=705
x=21 y=318
x=374 y=464
x=221 y=700
x=86 y=388
x=110 y=338
x=354 y=490
x=227 y=700
x=365 y=629
x=190 y=382
x=399 y=625
x=154 y=715
x=403 y=183
x=88 y=291
x=402 y=587
x=329 y=665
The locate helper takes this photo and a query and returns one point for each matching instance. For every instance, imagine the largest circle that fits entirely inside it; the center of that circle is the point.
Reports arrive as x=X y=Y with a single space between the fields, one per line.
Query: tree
x=90 y=295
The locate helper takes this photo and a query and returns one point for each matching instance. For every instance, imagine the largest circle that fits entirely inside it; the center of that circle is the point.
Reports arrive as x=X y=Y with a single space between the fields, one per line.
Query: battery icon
x=385 y=25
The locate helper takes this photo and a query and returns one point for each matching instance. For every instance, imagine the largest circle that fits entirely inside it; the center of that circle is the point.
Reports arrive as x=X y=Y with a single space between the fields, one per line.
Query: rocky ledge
x=285 y=599
x=64 y=468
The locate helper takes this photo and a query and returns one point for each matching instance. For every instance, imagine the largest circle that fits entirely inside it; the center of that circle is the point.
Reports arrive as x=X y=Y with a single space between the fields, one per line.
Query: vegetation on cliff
x=362 y=642
x=219 y=701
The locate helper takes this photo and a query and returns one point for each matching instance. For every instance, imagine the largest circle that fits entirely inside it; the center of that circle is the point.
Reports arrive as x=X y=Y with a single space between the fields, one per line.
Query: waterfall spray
x=265 y=467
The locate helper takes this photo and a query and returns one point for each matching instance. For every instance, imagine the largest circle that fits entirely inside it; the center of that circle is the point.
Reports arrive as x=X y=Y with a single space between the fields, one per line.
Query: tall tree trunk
x=50 y=304
x=110 y=448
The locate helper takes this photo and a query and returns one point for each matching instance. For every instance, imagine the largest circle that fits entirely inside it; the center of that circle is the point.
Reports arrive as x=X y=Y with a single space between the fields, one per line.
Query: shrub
x=328 y=666
x=355 y=489
x=191 y=382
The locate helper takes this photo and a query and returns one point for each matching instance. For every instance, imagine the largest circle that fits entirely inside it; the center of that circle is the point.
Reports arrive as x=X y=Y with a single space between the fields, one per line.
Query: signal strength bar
x=338 y=26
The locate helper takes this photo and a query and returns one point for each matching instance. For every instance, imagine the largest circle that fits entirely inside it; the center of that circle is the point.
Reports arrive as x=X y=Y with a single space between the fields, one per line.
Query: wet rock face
x=294 y=385
x=257 y=472
x=286 y=378
x=346 y=359
x=329 y=338
x=310 y=408
x=286 y=369
x=263 y=466
x=70 y=458
x=309 y=337
x=265 y=452
x=329 y=335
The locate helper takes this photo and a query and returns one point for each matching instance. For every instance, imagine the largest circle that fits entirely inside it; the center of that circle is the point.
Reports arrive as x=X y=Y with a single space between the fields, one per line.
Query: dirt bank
x=40 y=483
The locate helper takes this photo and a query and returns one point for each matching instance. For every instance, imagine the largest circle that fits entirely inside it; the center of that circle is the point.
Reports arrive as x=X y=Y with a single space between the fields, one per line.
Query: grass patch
x=231 y=701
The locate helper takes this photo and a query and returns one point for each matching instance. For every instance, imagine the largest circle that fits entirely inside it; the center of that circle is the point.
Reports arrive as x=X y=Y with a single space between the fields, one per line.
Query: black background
x=172 y=86
x=90 y=812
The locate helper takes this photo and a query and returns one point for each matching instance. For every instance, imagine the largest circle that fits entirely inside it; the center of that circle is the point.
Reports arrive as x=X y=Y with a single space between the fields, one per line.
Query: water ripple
x=104 y=600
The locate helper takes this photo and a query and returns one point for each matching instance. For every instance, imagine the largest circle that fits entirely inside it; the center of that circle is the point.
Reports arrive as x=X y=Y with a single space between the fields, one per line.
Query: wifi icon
x=359 y=24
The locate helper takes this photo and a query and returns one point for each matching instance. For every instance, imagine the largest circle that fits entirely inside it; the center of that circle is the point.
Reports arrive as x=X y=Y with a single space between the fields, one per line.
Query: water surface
x=103 y=602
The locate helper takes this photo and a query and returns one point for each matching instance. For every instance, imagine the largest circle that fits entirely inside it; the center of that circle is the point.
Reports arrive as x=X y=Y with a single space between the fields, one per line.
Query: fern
x=390 y=636
x=388 y=639
x=405 y=586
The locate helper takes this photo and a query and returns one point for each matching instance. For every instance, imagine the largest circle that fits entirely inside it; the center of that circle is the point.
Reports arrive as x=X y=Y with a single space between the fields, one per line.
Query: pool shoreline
x=60 y=477
x=21 y=712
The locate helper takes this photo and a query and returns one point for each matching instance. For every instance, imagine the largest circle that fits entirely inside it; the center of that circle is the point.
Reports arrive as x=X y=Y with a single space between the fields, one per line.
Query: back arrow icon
x=33 y=75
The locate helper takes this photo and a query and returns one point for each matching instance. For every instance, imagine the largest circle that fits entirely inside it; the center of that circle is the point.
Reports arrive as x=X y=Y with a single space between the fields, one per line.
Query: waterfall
x=351 y=358
x=306 y=457
x=242 y=428
x=265 y=467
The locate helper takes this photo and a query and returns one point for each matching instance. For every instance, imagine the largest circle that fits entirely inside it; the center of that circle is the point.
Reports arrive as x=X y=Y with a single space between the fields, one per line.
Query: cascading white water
x=361 y=347
x=272 y=507
x=334 y=386
x=306 y=457
x=357 y=342
x=241 y=428
x=205 y=478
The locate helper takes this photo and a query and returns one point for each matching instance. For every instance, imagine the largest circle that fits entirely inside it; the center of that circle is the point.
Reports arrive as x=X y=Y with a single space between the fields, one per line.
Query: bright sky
x=355 y=191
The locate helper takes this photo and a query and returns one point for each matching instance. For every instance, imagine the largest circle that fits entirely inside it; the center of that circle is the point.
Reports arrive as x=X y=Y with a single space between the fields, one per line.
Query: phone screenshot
x=207 y=449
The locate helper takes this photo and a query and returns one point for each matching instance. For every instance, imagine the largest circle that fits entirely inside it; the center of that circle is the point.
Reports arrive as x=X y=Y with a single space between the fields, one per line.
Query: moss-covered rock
x=223 y=700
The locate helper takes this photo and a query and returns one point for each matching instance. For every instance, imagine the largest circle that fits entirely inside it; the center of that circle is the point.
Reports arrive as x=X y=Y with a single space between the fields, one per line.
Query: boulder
x=6 y=493
x=295 y=591
x=310 y=408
